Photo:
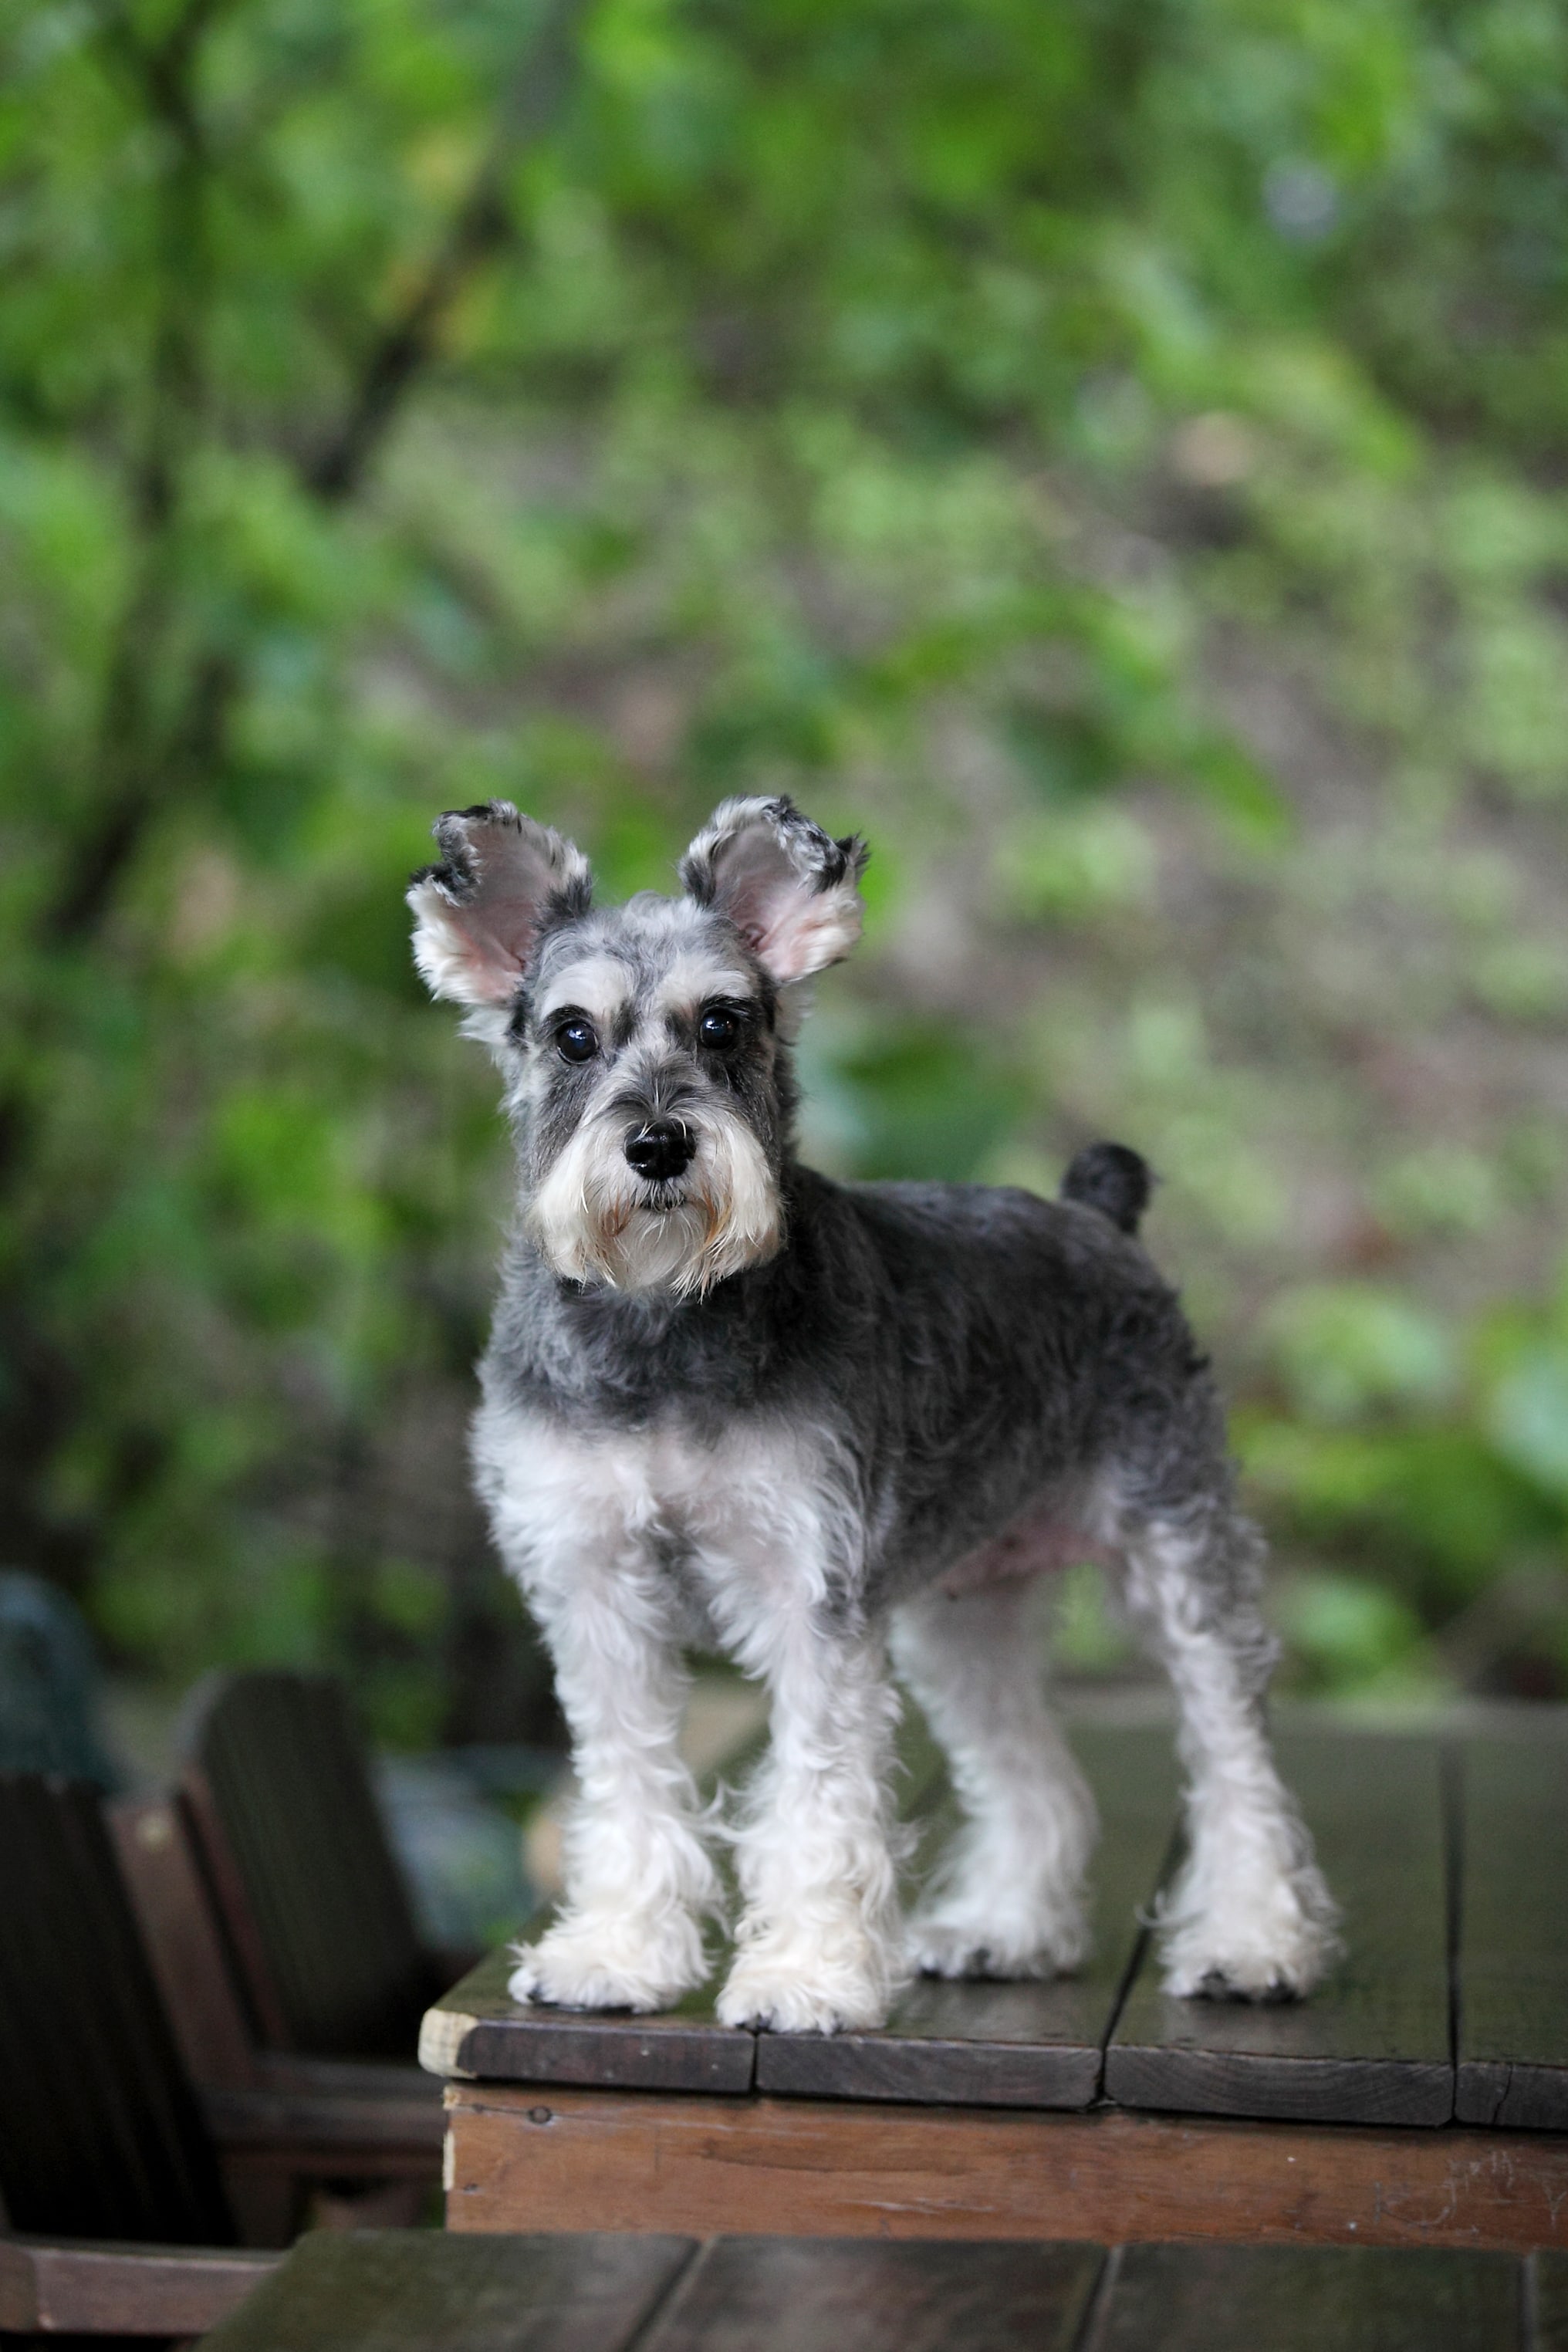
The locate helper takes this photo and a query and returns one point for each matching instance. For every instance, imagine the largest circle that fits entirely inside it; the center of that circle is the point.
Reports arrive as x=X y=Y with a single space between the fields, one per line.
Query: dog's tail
x=1112 y=1178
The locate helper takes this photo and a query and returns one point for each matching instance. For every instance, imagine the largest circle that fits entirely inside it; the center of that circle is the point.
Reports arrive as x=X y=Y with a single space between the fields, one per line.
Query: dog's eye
x=577 y=1040
x=718 y=1029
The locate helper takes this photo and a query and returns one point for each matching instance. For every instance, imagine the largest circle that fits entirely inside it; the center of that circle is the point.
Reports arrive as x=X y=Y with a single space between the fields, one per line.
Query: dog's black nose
x=660 y=1150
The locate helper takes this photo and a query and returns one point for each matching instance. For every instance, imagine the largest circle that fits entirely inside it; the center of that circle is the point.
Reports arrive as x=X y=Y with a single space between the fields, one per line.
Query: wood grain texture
x=84 y=2289
x=1308 y=2299
x=1372 y=2045
x=633 y=2161
x=806 y=2294
x=477 y=2030
x=277 y=1775
x=1026 y=2045
x=1513 y=1932
x=102 y=2134
x=413 y=2291
x=158 y=1861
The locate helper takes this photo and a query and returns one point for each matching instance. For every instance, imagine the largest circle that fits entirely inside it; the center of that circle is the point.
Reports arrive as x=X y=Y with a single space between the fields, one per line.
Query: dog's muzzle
x=660 y=1150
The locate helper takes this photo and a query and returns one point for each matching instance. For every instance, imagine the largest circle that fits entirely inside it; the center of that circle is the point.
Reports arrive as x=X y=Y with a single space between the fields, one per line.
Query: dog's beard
x=596 y=1220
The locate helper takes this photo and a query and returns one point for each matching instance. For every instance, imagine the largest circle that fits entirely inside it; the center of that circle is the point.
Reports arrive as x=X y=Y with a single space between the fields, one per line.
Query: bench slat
x=416 y=2290
x=1305 y=2299
x=800 y=2294
x=1513 y=1932
x=1372 y=2045
x=81 y=2289
x=478 y=2030
x=101 y=2135
x=1026 y=2045
x=279 y=1758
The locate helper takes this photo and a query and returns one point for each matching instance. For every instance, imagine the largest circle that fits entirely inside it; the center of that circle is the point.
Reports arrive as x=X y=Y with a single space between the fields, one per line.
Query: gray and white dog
x=729 y=1404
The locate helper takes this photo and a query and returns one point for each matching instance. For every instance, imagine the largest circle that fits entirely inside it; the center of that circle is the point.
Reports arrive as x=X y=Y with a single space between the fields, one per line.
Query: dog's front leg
x=817 y=1948
x=637 y=1876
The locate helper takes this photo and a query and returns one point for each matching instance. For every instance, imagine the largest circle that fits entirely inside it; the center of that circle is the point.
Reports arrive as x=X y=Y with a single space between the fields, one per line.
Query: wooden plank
x=102 y=2139
x=635 y=2161
x=1372 y=2045
x=799 y=2295
x=322 y=2116
x=286 y=1774
x=1025 y=2046
x=71 y=2289
x=153 y=1840
x=1308 y=2299
x=245 y=1953
x=1547 y=2304
x=411 y=2290
x=478 y=2030
x=1513 y=1932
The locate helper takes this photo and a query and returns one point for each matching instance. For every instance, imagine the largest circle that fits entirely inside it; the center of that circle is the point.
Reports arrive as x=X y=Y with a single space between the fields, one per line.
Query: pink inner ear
x=760 y=912
x=496 y=964
x=794 y=930
x=796 y=934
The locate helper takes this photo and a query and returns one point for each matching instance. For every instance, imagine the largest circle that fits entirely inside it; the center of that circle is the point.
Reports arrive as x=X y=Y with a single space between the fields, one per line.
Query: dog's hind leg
x=1249 y=1917
x=1007 y=1901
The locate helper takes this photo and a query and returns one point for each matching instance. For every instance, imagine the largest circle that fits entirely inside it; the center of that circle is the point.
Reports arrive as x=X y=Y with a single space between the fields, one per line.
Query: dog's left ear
x=788 y=887
x=478 y=914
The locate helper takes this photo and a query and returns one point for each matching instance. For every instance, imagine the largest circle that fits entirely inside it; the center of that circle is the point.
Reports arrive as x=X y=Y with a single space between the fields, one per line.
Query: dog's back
x=1002 y=1351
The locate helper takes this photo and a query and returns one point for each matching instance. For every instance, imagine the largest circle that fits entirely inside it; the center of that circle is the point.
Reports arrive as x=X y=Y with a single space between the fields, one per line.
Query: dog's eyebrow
x=690 y=980
x=598 y=985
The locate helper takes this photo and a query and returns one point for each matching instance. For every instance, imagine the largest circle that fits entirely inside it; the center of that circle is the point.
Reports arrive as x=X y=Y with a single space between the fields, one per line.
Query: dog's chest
x=753 y=1508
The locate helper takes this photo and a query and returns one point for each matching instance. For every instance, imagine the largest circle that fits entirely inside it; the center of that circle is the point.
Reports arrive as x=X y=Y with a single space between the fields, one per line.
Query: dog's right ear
x=479 y=913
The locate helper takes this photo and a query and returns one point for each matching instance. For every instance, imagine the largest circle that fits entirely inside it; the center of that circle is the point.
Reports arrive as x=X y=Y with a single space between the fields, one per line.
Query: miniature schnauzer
x=727 y=1403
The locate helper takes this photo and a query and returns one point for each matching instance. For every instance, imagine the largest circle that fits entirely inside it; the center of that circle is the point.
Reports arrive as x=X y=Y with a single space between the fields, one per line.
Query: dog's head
x=646 y=1062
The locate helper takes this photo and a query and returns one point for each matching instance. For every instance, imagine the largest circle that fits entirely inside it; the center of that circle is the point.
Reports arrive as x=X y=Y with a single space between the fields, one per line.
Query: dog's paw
x=1256 y=1976
x=789 y=1983
x=598 y=1964
x=784 y=1999
x=960 y=1947
x=1273 y=1945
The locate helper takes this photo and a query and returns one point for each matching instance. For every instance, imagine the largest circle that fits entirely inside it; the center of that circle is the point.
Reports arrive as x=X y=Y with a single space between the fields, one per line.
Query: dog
x=729 y=1404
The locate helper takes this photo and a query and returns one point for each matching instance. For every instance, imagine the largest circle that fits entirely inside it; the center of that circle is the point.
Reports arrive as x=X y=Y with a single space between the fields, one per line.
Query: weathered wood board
x=1372 y=2045
x=1512 y=1995
x=521 y=2158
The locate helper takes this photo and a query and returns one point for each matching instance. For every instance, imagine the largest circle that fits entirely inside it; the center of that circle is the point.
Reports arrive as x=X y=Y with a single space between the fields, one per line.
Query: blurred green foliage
x=966 y=415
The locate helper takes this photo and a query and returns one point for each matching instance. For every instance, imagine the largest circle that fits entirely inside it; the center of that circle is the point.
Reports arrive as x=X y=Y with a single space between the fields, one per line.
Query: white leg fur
x=1007 y=1901
x=817 y=1945
x=638 y=1877
x=1249 y=1915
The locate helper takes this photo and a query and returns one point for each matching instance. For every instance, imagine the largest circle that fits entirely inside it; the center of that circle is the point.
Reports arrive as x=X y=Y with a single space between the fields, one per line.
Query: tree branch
x=482 y=223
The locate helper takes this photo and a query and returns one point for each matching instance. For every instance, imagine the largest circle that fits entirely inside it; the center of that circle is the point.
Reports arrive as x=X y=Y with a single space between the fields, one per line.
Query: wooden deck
x=416 y=2291
x=1421 y=2097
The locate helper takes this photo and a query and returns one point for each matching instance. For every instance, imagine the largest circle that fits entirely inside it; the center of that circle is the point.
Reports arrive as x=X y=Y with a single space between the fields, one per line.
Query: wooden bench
x=420 y=2293
x=129 y=2194
x=1420 y=2099
x=318 y=1924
